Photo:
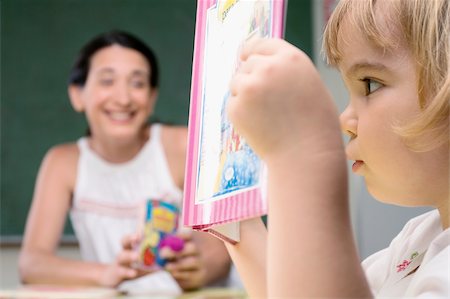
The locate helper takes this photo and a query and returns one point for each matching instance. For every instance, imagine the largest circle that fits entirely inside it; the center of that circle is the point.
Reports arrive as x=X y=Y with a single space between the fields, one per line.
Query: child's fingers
x=261 y=46
x=245 y=86
x=252 y=63
x=235 y=83
x=243 y=77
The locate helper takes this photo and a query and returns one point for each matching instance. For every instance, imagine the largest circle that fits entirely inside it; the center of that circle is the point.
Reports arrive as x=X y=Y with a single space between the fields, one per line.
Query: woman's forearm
x=43 y=268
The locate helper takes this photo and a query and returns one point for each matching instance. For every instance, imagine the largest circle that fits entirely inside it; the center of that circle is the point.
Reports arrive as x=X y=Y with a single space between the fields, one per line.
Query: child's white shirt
x=422 y=246
x=107 y=202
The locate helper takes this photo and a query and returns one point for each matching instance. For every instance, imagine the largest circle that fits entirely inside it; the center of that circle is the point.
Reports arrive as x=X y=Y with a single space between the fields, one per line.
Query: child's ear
x=74 y=92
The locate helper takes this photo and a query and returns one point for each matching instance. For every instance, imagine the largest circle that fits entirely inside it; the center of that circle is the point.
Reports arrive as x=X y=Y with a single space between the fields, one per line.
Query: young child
x=103 y=179
x=394 y=60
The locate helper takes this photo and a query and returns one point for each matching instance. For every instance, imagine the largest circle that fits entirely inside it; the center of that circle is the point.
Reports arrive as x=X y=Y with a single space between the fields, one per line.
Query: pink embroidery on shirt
x=403 y=265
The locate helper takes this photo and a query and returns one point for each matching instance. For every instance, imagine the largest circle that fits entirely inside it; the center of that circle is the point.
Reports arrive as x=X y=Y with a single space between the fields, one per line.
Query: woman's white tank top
x=107 y=201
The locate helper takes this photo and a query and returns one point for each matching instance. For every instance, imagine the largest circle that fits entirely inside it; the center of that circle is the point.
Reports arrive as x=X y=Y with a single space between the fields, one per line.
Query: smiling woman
x=118 y=95
x=104 y=179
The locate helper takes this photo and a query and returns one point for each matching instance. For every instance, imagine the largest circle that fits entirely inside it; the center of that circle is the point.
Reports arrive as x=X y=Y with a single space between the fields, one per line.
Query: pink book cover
x=225 y=180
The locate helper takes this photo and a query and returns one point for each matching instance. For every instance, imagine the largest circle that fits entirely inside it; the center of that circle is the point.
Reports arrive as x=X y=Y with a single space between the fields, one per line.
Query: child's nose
x=349 y=121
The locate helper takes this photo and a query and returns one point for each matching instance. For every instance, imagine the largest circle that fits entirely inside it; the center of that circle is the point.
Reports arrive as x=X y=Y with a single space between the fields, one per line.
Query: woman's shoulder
x=63 y=155
x=65 y=151
x=60 y=163
x=174 y=130
x=175 y=137
x=174 y=142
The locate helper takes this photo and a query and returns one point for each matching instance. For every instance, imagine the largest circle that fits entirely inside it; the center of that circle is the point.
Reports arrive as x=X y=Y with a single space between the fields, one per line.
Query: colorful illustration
x=160 y=226
x=239 y=167
x=227 y=163
x=260 y=21
x=225 y=180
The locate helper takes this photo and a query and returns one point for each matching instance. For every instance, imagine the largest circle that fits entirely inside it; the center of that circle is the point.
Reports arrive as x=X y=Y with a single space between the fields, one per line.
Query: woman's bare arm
x=38 y=261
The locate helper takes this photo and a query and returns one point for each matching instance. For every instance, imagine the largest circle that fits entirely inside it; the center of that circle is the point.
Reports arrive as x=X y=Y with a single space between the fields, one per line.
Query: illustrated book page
x=225 y=179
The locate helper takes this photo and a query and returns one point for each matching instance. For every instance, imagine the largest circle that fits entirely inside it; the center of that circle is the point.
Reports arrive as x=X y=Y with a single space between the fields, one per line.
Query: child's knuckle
x=249 y=87
x=268 y=69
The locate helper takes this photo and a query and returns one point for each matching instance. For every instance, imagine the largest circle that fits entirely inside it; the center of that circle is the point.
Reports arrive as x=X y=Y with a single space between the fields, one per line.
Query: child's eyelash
x=366 y=79
x=368 y=85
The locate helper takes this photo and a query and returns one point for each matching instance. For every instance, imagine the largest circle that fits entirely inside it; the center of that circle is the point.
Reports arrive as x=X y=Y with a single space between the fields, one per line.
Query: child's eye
x=371 y=85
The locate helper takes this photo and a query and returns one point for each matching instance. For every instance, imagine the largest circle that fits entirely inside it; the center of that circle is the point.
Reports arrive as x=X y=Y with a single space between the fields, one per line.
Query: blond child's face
x=383 y=93
x=117 y=97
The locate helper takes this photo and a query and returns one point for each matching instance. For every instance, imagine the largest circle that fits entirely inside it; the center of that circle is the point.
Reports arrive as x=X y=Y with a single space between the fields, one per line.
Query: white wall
x=375 y=224
x=9 y=276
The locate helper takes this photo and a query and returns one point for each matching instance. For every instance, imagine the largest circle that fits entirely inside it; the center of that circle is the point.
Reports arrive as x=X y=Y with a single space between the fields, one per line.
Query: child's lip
x=357 y=165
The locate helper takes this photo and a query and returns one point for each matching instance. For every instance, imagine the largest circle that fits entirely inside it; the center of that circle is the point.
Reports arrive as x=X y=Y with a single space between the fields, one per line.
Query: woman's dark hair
x=80 y=69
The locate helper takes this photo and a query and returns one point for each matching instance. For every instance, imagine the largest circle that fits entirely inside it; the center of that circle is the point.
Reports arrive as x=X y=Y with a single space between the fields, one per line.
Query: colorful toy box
x=161 y=224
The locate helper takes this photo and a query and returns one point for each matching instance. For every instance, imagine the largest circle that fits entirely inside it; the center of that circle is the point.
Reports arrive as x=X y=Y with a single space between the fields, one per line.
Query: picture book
x=225 y=179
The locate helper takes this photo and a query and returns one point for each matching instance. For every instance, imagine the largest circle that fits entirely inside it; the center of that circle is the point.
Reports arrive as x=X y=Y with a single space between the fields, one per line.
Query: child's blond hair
x=424 y=26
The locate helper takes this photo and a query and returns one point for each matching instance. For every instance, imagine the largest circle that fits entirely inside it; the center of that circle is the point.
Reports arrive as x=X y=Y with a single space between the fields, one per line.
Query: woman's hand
x=185 y=266
x=122 y=269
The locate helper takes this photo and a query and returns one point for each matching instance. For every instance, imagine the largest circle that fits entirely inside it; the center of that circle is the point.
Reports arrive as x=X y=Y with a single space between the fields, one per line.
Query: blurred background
x=39 y=42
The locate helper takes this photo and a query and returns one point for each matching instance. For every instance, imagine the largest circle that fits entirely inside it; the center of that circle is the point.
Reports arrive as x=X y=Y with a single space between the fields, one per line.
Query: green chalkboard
x=40 y=39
